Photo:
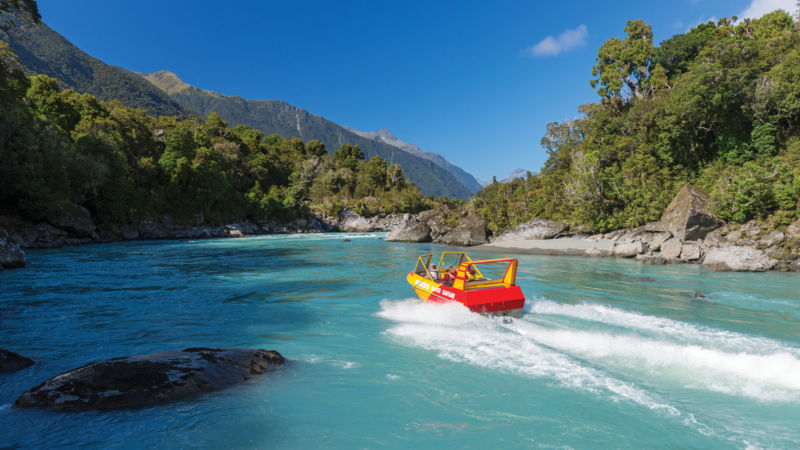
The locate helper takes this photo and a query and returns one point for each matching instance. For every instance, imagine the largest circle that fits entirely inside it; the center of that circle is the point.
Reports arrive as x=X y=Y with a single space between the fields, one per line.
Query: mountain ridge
x=281 y=118
x=43 y=50
x=386 y=136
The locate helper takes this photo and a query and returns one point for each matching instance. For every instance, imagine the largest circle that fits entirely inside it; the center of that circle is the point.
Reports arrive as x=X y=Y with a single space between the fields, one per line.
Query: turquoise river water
x=608 y=353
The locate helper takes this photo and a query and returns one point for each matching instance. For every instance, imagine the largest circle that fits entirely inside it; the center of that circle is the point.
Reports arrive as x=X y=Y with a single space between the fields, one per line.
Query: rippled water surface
x=608 y=353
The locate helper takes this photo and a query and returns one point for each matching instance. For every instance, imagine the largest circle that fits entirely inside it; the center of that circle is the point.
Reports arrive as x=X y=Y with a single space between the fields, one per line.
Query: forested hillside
x=43 y=51
x=283 y=119
x=717 y=107
x=61 y=147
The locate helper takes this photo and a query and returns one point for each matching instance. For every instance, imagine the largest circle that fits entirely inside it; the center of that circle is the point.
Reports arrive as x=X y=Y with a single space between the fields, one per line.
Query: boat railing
x=486 y=279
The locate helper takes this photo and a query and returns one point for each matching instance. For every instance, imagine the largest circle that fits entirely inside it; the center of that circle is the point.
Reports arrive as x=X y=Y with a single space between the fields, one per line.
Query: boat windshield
x=423 y=262
x=452 y=259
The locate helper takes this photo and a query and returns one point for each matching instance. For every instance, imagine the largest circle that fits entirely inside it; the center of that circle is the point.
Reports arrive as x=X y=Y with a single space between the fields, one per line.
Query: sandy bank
x=559 y=246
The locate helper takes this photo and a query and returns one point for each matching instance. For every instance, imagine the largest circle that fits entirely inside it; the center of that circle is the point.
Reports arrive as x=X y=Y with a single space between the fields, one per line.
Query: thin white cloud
x=567 y=40
x=758 y=8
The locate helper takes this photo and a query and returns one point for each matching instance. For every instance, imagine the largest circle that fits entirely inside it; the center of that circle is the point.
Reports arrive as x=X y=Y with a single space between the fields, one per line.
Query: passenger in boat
x=450 y=276
x=471 y=275
x=434 y=273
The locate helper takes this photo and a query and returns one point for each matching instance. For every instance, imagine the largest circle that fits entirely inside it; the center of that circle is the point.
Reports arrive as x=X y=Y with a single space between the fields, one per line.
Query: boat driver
x=434 y=273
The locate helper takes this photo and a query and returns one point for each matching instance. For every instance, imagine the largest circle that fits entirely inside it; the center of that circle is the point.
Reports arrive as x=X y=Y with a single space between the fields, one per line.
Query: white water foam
x=661 y=327
x=697 y=357
x=462 y=336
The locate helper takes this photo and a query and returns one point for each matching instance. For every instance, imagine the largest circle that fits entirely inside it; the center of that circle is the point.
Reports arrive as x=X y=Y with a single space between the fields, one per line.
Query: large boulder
x=437 y=220
x=352 y=222
x=10 y=361
x=74 y=219
x=625 y=249
x=738 y=259
x=412 y=231
x=691 y=252
x=534 y=229
x=11 y=255
x=671 y=249
x=687 y=217
x=470 y=231
x=145 y=380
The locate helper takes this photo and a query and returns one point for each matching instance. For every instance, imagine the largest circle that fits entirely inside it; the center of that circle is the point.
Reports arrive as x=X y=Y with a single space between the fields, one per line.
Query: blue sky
x=475 y=81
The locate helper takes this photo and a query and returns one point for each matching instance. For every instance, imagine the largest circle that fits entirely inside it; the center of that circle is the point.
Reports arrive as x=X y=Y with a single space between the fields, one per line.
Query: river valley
x=608 y=352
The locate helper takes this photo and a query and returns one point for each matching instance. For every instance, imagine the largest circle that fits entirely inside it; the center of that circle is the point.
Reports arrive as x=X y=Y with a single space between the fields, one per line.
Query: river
x=608 y=353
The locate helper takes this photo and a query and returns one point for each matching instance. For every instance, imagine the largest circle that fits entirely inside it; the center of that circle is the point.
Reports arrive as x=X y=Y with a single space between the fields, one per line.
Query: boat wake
x=462 y=336
x=607 y=351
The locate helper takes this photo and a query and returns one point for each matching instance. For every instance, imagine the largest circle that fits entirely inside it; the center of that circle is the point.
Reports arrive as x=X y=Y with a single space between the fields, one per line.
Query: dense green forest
x=717 y=107
x=123 y=165
x=44 y=51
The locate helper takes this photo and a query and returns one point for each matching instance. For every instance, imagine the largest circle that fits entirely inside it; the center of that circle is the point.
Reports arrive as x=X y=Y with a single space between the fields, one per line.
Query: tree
x=348 y=156
x=315 y=149
x=623 y=66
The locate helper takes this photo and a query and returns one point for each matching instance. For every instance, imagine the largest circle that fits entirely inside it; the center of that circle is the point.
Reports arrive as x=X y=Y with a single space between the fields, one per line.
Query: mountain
x=42 y=50
x=518 y=173
x=283 y=119
x=386 y=136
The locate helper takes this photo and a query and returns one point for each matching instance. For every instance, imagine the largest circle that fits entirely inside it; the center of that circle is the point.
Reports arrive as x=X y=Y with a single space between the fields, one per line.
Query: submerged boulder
x=534 y=229
x=146 y=380
x=10 y=361
x=738 y=259
x=688 y=217
x=412 y=231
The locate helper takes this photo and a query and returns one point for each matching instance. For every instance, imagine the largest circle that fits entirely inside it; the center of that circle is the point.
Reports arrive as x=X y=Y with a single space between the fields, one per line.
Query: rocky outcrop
x=534 y=229
x=73 y=219
x=793 y=231
x=352 y=222
x=470 y=231
x=412 y=231
x=10 y=361
x=688 y=217
x=146 y=380
x=11 y=255
x=738 y=259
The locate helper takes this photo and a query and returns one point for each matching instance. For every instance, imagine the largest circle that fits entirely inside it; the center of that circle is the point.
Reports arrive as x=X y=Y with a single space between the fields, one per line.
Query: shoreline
x=564 y=246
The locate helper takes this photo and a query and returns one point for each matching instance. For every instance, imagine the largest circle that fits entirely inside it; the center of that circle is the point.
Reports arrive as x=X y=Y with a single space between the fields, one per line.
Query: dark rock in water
x=11 y=255
x=698 y=294
x=146 y=380
x=10 y=361
x=688 y=217
x=346 y=240
x=631 y=277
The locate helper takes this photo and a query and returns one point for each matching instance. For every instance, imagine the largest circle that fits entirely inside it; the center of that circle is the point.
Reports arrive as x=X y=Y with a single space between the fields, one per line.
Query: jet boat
x=486 y=287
